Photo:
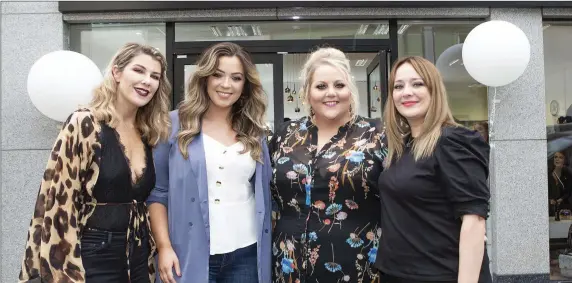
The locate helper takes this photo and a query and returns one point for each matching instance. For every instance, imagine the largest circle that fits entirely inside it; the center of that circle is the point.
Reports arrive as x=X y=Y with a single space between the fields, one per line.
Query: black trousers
x=105 y=260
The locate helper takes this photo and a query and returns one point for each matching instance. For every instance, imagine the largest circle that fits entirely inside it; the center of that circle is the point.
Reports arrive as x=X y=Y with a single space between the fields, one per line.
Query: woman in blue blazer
x=210 y=210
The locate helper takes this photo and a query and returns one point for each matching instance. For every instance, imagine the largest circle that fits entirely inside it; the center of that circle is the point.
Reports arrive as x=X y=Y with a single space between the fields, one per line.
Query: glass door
x=269 y=67
x=377 y=84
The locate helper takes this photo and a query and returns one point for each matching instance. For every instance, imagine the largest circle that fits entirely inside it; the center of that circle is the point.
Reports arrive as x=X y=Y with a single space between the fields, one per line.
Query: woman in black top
x=434 y=192
x=90 y=221
x=559 y=184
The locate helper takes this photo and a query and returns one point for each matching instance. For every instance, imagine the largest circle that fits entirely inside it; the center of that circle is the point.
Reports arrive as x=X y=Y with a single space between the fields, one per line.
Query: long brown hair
x=247 y=114
x=152 y=120
x=438 y=115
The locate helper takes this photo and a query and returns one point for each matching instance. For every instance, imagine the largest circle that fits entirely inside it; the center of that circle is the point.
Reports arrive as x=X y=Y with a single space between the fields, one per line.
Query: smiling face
x=225 y=86
x=329 y=94
x=138 y=82
x=410 y=94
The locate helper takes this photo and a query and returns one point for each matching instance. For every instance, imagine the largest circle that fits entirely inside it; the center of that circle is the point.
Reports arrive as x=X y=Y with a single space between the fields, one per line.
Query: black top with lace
x=118 y=199
x=327 y=204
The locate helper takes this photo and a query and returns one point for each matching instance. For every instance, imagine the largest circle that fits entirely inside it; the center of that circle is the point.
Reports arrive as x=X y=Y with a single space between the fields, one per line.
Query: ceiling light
x=381 y=29
x=545 y=27
x=216 y=31
x=138 y=33
x=361 y=62
x=229 y=31
x=256 y=30
x=362 y=29
x=453 y=62
x=402 y=29
x=237 y=30
x=295 y=17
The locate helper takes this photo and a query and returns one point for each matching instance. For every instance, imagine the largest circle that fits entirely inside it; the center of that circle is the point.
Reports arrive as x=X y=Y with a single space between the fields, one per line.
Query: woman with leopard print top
x=90 y=222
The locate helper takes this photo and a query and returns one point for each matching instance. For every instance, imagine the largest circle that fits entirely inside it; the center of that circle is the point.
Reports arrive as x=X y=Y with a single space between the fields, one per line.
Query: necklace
x=409 y=142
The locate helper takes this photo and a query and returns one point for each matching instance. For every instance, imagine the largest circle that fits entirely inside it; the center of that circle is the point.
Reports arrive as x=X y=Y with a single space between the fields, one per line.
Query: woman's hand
x=167 y=260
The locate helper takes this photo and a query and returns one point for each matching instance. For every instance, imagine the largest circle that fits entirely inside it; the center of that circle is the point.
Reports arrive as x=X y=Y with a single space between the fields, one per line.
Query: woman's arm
x=69 y=169
x=471 y=248
x=463 y=159
x=158 y=203
x=158 y=200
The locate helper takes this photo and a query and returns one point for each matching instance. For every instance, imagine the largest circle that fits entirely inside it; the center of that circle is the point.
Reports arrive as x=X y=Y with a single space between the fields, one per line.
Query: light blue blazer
x=181 y=186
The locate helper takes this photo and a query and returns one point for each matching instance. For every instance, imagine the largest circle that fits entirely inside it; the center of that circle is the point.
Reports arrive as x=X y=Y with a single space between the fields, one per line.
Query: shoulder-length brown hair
x=152 y=120
x=247 y=114
x=438 y=115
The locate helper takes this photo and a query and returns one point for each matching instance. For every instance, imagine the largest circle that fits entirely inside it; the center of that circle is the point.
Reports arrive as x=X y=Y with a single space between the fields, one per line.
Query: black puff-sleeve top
x=422 y=204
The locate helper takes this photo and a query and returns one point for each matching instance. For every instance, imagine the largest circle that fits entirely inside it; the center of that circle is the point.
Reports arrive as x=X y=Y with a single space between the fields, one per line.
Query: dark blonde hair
x=438 y=115
x=247 y=114
x=152 y=120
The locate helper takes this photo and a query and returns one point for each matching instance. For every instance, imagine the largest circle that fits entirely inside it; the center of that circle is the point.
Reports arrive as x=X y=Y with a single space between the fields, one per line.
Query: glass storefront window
x=290 y=30
x=558 y=91
x=374 y=94
x=100 y=42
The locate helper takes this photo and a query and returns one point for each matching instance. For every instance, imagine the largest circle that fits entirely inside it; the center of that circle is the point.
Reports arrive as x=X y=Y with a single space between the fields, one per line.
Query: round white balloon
x=450 y=65
x=61 y=81
x=496 y=53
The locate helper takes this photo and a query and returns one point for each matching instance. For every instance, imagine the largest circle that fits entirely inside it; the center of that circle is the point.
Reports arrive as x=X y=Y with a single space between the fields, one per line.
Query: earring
x=351 y=112
x=311 y=111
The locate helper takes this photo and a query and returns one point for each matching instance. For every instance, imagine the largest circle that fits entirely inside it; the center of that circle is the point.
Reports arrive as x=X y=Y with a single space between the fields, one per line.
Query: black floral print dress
x=327 y=222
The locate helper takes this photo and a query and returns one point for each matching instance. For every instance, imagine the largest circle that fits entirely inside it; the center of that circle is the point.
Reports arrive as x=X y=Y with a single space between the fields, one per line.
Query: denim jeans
x=235 y=267
x=105 y=260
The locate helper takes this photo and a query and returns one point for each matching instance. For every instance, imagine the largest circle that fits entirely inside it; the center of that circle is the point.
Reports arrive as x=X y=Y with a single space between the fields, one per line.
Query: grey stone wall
x=519 y=213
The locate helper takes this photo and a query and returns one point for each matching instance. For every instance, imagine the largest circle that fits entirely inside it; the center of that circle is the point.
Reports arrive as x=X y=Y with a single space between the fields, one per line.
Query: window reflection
x=558 y=78
x=99 y=42
x=289 y=30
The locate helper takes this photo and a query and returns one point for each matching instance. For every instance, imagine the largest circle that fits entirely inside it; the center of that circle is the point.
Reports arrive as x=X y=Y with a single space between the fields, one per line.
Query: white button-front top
x=232 y=206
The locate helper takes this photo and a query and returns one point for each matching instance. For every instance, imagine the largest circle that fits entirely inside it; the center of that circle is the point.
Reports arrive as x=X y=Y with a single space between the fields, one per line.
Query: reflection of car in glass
x=559 y=138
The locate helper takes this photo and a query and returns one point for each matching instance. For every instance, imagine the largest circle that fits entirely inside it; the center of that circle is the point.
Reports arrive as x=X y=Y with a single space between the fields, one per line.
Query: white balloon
x=61 y=81
x=496 y=53
x=450 y=65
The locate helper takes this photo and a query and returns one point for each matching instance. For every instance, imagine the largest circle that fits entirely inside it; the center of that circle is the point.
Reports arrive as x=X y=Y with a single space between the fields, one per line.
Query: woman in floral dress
x=326 y=168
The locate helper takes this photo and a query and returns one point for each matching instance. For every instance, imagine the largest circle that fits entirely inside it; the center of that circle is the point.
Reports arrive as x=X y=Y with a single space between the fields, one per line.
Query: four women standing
x=352 y=204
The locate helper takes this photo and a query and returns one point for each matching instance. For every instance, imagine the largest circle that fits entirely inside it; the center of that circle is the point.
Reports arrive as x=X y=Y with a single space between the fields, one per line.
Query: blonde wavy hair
x=337 y=59
x=438 y=114
x=247 y=114
x=152 y=120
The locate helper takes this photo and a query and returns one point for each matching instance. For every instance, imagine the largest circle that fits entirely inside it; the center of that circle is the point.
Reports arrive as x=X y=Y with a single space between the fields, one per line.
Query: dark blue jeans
x=235 y=267
x=105 y=260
